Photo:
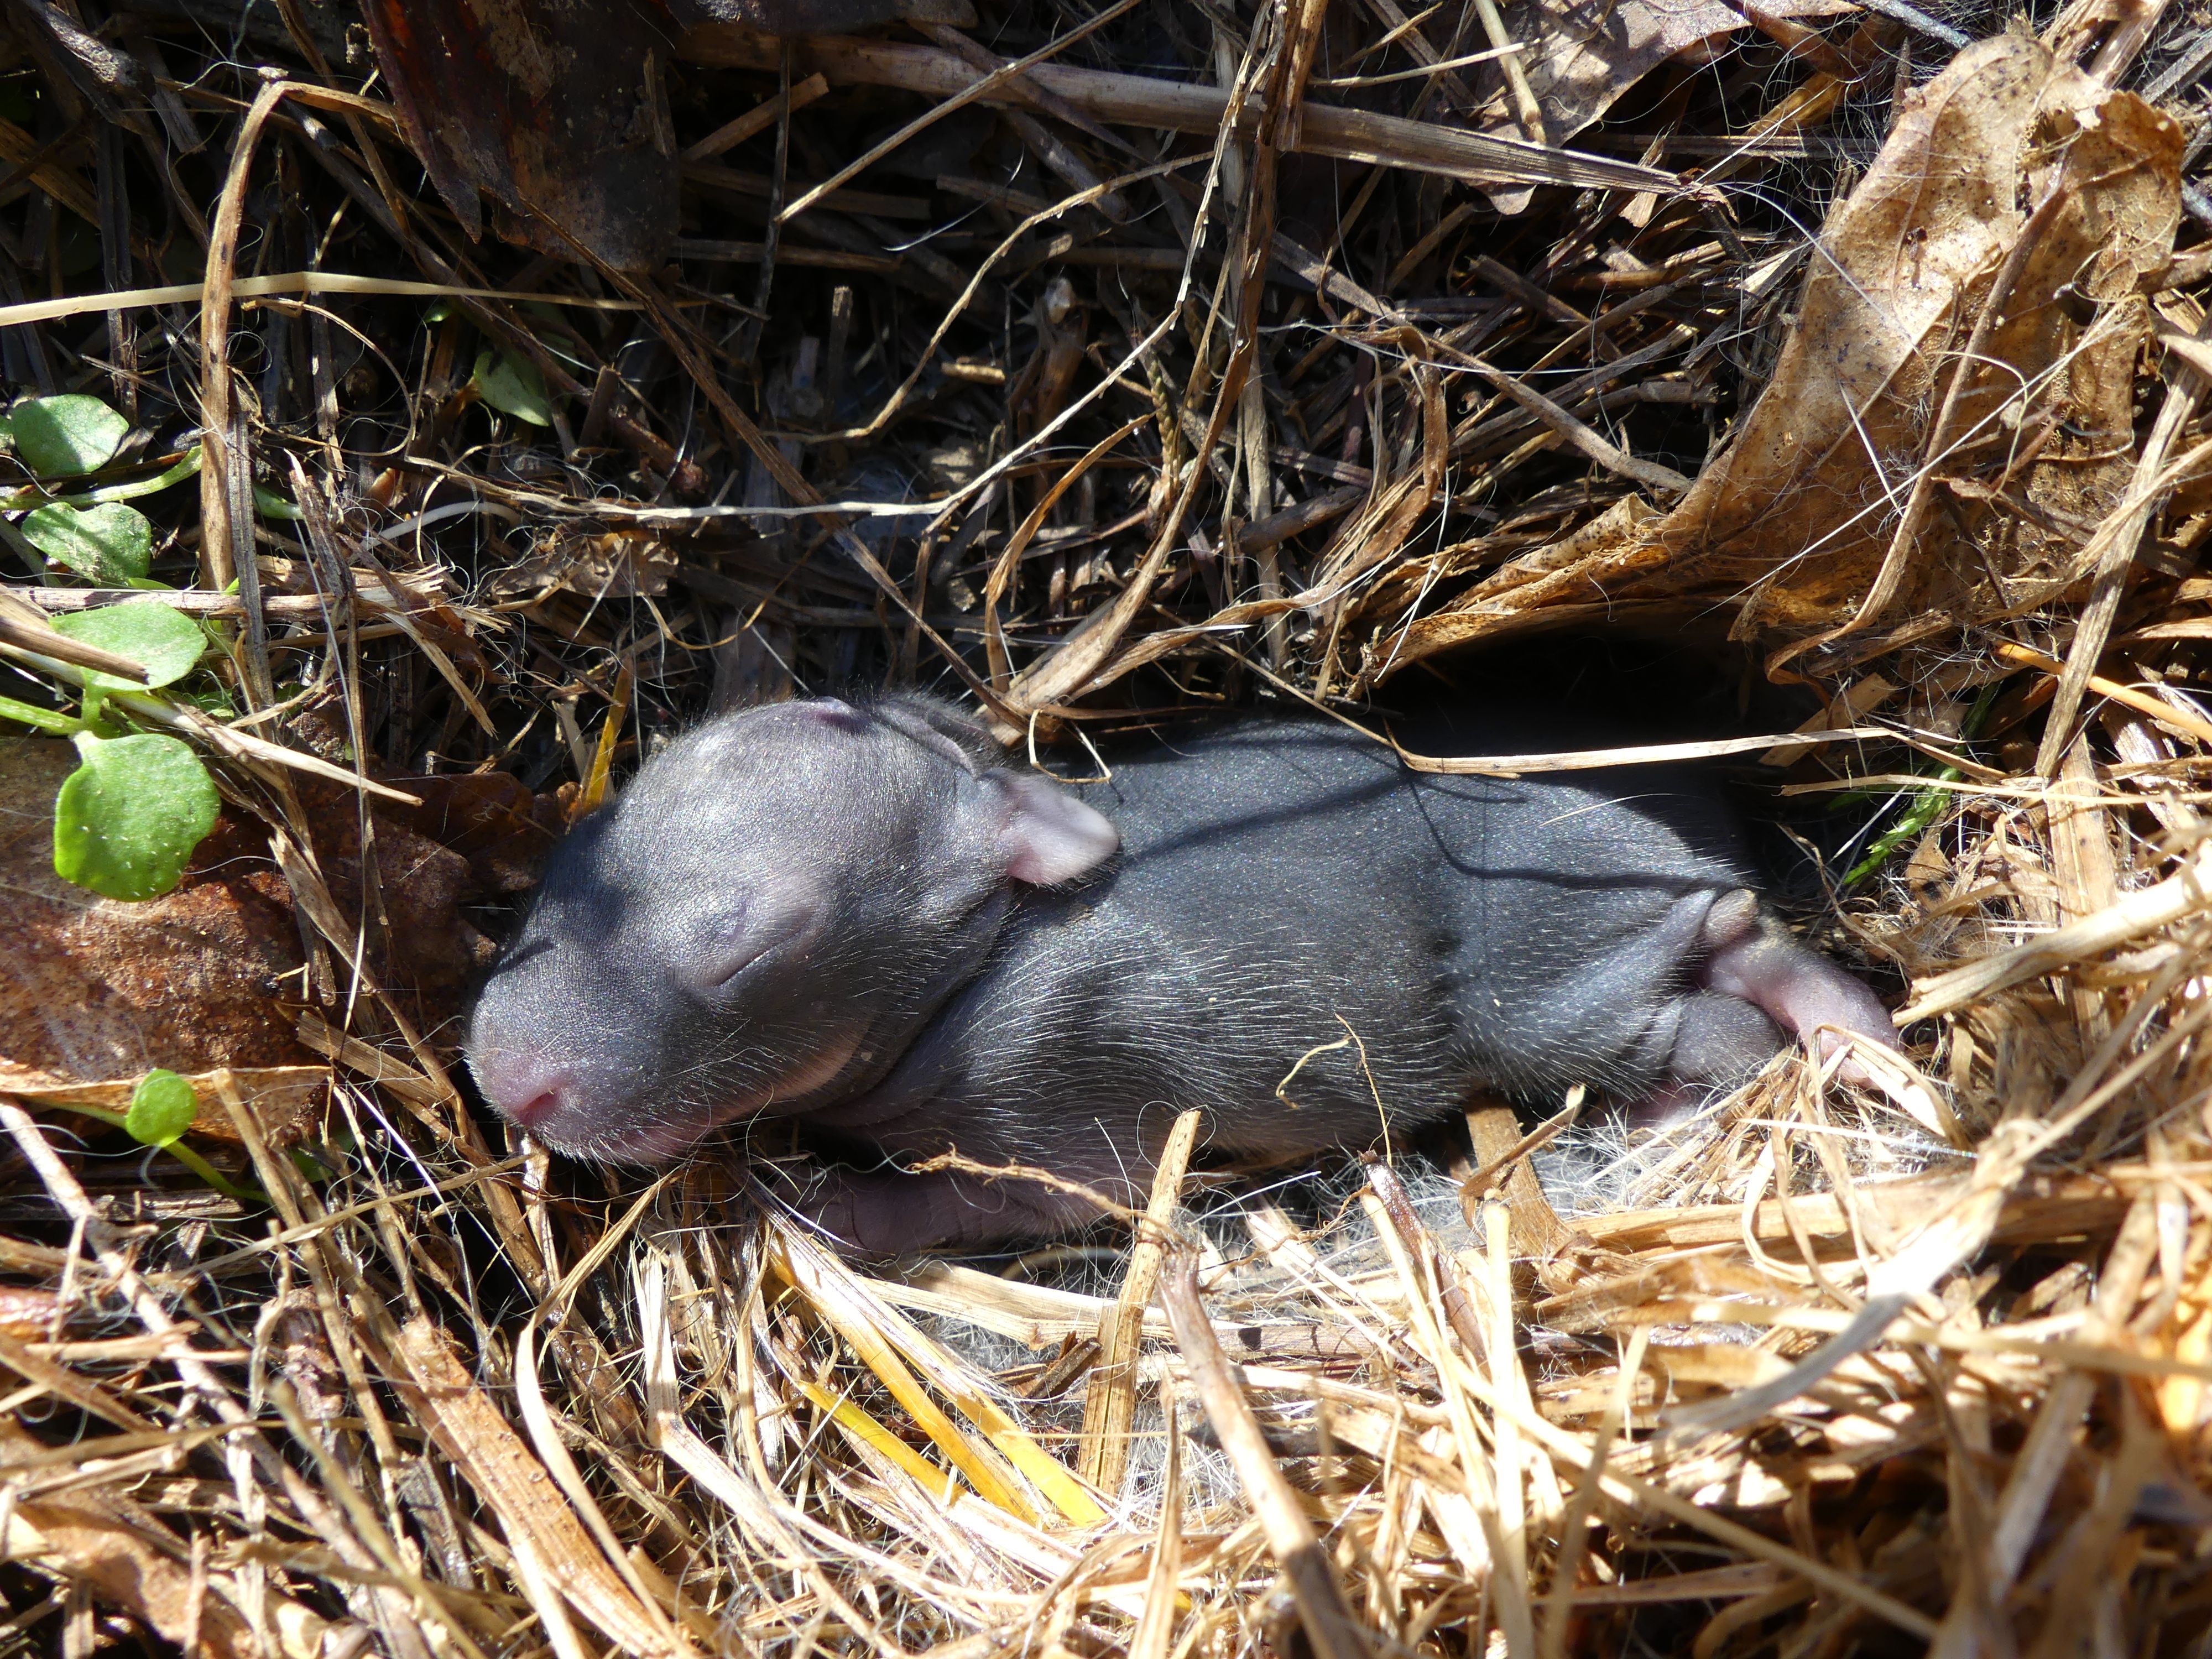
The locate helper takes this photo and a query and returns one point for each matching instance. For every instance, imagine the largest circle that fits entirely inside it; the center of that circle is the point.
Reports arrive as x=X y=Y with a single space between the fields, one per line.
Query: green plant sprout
x=1927 y=804
x=163 y=1106
x=506 y=380
x=89 y=532
x=127 y=820
x=514 y=386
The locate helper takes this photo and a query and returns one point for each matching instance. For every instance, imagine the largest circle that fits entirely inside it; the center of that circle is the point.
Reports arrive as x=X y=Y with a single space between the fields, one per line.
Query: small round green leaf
x=62 y=437
x=159 y=637
x=127 y=820
x=514 y=386
x=162 y=1108
x=110 y=544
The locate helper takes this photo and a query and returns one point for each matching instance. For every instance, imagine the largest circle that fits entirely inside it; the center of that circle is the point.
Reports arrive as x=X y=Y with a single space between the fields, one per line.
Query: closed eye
x=752 y=938
x=739 y=960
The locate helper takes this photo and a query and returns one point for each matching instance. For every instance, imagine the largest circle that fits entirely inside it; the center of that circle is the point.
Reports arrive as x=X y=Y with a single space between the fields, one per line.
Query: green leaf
x=162 y=639
x=162 y=1108
x=110 y=544
x=514 y=386
x=62 y=437
x=438 y=311
x=127 y=820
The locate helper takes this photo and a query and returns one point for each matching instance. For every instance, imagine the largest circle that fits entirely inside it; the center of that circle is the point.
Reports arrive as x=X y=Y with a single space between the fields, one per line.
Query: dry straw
x=1137 y=426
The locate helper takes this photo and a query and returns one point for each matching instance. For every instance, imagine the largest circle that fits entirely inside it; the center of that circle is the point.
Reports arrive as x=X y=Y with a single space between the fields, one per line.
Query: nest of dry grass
x=1156 y=358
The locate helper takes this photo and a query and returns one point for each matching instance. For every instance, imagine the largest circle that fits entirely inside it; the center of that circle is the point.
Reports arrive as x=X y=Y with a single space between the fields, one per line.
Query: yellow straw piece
x=863 y=1427
x=870 y=1348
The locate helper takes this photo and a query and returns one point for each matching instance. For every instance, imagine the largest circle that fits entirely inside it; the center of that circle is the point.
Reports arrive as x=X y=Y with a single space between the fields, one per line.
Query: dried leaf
x=1790 y=525
x=130 y=1564
x=93 y=991
x=558 y=114
x=1798 y=514
x=468 y=1429
x=1582 y=56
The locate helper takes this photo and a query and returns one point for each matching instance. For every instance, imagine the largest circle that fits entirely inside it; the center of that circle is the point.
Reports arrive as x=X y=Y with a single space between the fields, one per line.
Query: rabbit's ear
x=1046 y=835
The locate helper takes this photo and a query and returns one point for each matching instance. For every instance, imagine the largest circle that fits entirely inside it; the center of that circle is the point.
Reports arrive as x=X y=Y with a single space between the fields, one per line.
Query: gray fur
x=938 y=951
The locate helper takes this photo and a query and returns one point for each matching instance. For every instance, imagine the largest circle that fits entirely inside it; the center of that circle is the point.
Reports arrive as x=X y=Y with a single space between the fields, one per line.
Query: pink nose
x=536 y=1109
x=526 y=1088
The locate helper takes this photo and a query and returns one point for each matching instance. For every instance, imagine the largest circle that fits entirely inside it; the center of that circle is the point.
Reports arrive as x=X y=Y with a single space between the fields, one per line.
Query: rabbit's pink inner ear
x=1048 y=835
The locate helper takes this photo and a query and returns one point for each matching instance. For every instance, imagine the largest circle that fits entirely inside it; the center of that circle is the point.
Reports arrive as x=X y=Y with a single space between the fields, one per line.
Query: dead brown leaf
x=93 y=989
x=1581 y=56
x=1580 y=568
x=468 y=1428
x=286 y=1101
x=557 y=114
x=1800 y=512
x=95 y=992
x=1790 y=526
x=130 y=1561
x=598 y=564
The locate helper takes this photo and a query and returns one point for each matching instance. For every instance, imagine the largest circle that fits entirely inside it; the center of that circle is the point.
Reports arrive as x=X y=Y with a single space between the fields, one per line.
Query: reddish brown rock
x=92 y=988
x=95 y=990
